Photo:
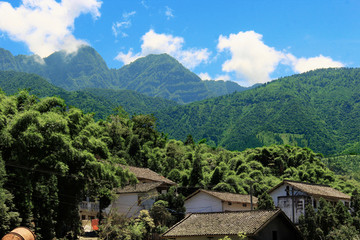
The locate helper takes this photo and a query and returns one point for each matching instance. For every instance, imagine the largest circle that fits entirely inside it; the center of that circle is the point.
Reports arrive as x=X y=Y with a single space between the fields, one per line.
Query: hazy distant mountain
x=154 y=75
x=318 y=109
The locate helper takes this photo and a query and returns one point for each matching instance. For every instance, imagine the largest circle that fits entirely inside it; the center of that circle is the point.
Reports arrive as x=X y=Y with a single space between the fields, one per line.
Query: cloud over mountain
x=253 y=60
x=46 y=26
x=155 y=43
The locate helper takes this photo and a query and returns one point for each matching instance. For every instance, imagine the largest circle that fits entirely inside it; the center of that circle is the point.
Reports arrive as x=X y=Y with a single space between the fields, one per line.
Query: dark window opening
x=287 y=190
x=274 y=235
x=244 y=205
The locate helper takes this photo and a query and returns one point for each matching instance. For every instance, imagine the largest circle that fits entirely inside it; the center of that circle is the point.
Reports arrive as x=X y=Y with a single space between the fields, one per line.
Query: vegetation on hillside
x=154 y=75
x=318 y=109
x=101 y=102
x=52 y=156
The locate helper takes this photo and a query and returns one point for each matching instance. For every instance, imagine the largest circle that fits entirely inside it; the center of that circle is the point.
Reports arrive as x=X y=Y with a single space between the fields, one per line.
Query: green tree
x=326 y=218
x=355 y=203
x=265 y=202
x=196 y=174
x=308 y=224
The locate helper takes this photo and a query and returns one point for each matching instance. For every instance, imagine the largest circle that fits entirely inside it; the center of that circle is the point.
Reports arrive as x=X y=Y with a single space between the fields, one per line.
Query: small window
x=314 y=203
x=287 y=190
x=244 y=205
x=347 y=204
x=83 y=217
x=229 y=203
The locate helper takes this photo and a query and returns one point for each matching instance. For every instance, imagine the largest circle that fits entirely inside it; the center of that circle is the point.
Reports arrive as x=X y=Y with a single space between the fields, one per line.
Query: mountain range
x=318 y=109
x=153 y=75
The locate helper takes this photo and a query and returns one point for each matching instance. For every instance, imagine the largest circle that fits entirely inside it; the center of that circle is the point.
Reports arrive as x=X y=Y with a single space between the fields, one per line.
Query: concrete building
x=293 y=196
x=132 y=199
x=211 y=201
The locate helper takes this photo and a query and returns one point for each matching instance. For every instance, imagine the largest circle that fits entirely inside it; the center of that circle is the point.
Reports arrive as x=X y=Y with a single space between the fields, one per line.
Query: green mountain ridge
x=318 y=109
x=154 y=75
x=102 y=102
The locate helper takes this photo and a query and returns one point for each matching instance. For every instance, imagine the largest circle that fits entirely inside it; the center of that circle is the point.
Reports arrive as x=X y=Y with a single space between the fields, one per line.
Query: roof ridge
x=224 y=192
x=307 y=183
x=239 y=211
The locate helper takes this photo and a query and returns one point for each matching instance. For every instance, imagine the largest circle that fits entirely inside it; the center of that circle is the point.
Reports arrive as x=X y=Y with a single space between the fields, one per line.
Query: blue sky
x=244 y=41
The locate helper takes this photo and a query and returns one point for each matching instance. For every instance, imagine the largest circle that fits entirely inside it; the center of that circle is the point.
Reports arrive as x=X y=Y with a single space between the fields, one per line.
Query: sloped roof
x=139 y=188
x=146 y=173
x=317 y=190
x=224 y=223
x=227 y=197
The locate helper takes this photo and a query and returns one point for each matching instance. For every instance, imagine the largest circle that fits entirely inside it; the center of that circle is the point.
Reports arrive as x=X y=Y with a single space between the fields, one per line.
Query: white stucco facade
x=203 y=202
x=130 y=204
x=292 y=201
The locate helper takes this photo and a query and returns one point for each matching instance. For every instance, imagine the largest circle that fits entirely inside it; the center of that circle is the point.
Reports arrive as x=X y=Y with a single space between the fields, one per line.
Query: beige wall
x=237 y=206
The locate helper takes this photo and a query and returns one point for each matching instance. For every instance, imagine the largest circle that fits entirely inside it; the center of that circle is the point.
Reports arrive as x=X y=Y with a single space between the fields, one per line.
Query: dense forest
x=100 y=102
x=46 y=147
x=318 y=109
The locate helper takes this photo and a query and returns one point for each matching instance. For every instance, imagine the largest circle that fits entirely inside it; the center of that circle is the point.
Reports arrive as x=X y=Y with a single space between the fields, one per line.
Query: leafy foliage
x=317 y=109
x=329 y=222
x=59 y=155
x=52 y=160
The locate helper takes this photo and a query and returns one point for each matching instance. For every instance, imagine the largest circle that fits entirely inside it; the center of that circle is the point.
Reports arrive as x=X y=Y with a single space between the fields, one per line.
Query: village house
x=132 y=199
x=211 y=201
x=256 y=225
x=292 y=197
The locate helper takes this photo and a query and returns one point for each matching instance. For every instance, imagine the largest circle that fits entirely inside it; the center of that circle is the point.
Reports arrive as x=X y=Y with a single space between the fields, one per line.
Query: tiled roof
x=224 y=223
x=227 y=197
x=318 y=190
x=145 y=173
x=139 y=188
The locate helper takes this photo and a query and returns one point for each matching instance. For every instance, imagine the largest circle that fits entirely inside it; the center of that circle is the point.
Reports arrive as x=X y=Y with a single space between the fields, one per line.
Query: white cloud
x=250 y=57
x=169 y=13
x=117 y=27
x=128 y=57
x=46 y=26
x=126 y=15
x=222 y=77
x=204 y=76
x=154 y=43
x=306 y=64
x=254 y=61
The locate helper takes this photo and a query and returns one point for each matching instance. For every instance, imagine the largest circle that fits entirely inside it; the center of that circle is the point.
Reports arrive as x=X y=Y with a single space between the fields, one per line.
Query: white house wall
x=126 y=204
x=236 y=207
x=279 y=192
x=203 y=202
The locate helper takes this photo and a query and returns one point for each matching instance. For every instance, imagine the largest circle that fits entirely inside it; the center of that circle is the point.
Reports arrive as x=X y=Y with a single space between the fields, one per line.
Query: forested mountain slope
x=154 y=75
x=101 y=102
x=60 y=155
x=318 y=109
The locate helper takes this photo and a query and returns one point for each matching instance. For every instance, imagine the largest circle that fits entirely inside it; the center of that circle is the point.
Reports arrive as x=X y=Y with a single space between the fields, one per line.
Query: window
x=314 y=202
x=229 y=203
x=287 y=190
x=244 y=205
x=274 y=235
x=83 y=217
x=347 y=204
